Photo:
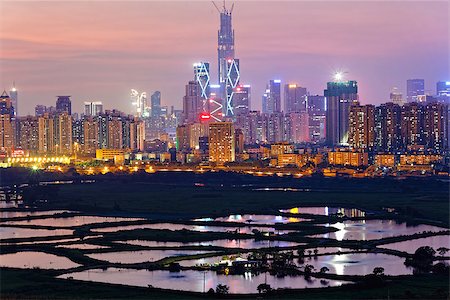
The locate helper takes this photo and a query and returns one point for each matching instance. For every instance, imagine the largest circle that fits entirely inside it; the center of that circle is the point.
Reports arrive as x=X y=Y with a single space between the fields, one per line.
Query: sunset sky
x=100 y=50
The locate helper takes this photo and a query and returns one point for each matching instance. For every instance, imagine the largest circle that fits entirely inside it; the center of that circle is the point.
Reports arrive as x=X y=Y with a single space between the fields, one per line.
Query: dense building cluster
x=217 y=124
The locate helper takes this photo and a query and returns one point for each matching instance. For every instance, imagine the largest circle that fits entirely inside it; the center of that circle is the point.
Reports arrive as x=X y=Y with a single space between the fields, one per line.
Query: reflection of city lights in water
x=342 y=231
x=248 y=275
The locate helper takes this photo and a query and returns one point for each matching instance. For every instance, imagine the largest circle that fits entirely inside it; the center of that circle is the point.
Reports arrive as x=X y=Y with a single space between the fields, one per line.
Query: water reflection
x=411 y=246
x=71 y=221
x=373 y=229
x=16 y=214
x=359 y=263
x=197 y=281
x=325 y=211
x=14 y=232
x=131 y=257
x=36 y=260
x=245 y=243
x=255 y=219
x=170 y=226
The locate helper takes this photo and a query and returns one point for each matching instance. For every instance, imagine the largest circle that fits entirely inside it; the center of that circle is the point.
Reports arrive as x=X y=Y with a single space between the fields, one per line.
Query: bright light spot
x=277 y=81
x=34 y=167
x=338 y=76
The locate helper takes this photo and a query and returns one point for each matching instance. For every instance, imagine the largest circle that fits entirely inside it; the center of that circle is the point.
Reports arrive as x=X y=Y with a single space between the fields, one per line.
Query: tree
x=264 y=288
x=301 y=252
x=316 y=251
x=378 y=271
x=308 y=269
x=323 y=270
x=309 y=252
x=424 y=254
x=442 y=251
x=222 y=289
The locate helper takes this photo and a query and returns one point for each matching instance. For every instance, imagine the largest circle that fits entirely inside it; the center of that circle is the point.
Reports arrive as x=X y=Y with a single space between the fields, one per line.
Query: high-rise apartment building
x=339 y=97
x=388 y=136
x=47 y=134
x=28 y=133
x=93 y=108
x=362 y=127
x=414 y=88
x=297 y=127
x=295 y=98
x=63 y=134
x=221 y=143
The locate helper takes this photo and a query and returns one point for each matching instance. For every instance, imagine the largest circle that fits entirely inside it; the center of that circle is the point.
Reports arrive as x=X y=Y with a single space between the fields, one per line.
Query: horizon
x=33 y=53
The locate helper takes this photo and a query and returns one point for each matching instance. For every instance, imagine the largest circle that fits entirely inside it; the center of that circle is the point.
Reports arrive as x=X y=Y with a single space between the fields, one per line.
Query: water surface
x=40 y=260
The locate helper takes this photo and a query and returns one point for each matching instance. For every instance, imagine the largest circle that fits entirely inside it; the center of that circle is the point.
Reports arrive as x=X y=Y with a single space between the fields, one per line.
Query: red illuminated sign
x=205 y=116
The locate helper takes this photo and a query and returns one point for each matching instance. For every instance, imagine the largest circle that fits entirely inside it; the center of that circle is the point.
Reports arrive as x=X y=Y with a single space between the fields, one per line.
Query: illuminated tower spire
x=225 y=41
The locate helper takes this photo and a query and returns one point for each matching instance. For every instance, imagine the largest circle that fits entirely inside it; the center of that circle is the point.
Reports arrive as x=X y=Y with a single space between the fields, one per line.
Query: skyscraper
x=7 y=123
x=274 y=96
x=414 y=88
x=221 y=143
x=225 y=41
x=317 y=117
x=192 y=103
x=155 y=101
x=242 y=100
x=339 y=97
x=93 y=108
x=28 y=133
x=64 y=133
x=295 y=98
x=362 y=126
x=388 y=128
x=201 y=75
x=63 y=104
x=14 y=99
x=231 y=83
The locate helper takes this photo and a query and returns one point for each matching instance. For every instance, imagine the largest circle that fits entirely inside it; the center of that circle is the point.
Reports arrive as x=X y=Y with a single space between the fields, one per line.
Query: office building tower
x=339 y=97
x=297 y=127
x=443 y=88
x=64 y=134
x=295 y=98
x=414 y=88
x=216 y=103
x=242 y=100
x=225 y=48
x=362 y=127
x=388 y=136
x=28 y=133
x=221 y=143
x=7 y=123
x=273 y=97
x=275 y=131
x=139 y=101
x=14 y=99
x=63 y=104
x=93 y=108
x=231 y=83
x=202 y=77
x=317 y=117
x=265 y=102
x=192 y=103
x=156 y=104
x=47 y=134
x=396 y=97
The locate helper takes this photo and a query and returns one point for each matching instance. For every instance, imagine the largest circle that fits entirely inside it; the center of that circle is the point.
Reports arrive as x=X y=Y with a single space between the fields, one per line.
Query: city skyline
x=92 y=67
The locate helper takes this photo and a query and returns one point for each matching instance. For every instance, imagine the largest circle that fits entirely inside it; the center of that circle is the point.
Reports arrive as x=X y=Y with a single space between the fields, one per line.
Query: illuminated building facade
x=202 y=77
x=273 y=96
x=297 y=127
x=46 y=134
x=317 y=118
x=7 y=123
x=63 y=133
x=242 y=100
x=28 y=133
x=388 y=135
x=192 y=103
x=339 y=97
x=361 y=133
x=295 y=98
x=13 y=94
x=93 y=108
x=221 y=143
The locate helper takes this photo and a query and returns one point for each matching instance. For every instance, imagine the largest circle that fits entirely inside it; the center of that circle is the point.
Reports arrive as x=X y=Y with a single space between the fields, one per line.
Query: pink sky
x=100 y=50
